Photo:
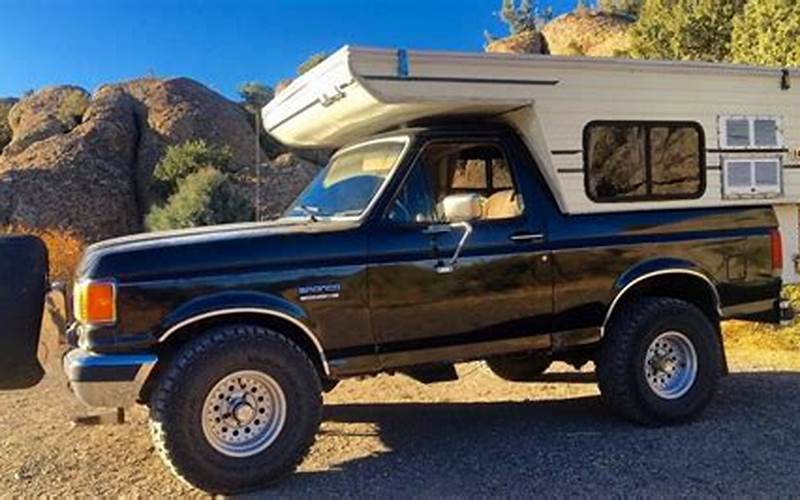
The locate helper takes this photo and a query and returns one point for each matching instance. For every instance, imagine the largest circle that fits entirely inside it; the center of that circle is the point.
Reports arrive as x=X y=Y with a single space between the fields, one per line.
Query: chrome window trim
x=254 y=310
x=652 y=274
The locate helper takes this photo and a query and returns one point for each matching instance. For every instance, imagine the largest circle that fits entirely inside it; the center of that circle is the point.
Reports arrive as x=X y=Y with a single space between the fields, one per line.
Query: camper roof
x=359 y=91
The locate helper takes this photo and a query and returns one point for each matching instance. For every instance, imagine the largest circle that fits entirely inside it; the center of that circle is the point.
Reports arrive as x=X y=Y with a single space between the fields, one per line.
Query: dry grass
x=64 y=247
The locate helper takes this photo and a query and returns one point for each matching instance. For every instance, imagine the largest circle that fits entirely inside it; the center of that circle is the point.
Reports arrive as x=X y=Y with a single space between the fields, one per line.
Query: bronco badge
x=319 y=292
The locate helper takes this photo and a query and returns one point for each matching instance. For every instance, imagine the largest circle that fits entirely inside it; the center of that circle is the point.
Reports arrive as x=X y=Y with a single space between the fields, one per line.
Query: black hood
x=224 y=248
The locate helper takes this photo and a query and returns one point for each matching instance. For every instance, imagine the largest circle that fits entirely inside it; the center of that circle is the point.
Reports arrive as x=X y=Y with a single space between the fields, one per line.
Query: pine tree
x=768 y=33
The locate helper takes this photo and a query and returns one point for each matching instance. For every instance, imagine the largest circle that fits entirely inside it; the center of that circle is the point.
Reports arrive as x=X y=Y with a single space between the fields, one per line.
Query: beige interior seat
x=501 y=205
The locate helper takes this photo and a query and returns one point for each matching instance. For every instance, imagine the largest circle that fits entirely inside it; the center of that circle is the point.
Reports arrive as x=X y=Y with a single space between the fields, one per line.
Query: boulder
x=49 y=112
x=524 y=42
x=87 y=169
x=79 y=180
x=282 y=180
x=175 y=110
x=589 y=33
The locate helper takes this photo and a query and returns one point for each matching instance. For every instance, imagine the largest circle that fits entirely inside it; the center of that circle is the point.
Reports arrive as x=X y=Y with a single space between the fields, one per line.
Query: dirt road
x=390 y=436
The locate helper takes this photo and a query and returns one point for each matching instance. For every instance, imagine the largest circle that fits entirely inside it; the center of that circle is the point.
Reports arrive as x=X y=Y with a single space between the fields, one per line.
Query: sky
x=220 y=43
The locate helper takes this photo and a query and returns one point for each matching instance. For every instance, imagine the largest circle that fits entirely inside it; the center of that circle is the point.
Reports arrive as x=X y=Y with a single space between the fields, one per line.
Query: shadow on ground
x=747 y=442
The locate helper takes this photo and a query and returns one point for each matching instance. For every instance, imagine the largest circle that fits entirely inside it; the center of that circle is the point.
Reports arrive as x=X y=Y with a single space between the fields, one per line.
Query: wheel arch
x=290 y=327
x=680 y=282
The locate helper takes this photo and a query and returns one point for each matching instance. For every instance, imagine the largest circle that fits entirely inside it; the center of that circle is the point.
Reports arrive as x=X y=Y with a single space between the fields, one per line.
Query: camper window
x=750 y=132
x=633 y=161
x=752 y=177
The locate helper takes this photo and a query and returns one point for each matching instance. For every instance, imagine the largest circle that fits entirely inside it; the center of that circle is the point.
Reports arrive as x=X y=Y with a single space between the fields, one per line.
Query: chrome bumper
x=107 y=380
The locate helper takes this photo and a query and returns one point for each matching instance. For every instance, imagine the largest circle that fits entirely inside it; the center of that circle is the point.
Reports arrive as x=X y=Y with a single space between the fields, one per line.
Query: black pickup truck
x=411 y=251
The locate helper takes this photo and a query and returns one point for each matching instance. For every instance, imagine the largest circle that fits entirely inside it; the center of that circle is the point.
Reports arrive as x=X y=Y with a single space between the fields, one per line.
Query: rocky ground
x=479 y=436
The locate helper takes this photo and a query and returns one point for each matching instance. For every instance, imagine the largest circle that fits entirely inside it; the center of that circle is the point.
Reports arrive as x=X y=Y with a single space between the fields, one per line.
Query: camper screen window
x=627 y=161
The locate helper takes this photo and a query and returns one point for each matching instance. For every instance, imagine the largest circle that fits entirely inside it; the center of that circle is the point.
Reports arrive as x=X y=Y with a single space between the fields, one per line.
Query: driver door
x=495 y=296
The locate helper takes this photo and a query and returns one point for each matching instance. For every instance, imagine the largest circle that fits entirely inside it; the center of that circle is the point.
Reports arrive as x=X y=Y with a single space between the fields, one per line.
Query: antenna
x=258 y=165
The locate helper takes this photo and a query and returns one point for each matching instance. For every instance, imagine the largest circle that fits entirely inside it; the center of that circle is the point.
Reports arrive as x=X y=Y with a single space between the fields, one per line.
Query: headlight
x=95 y=302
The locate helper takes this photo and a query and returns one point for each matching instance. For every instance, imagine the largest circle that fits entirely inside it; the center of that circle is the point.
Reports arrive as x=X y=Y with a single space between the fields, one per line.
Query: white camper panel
x=550 y=100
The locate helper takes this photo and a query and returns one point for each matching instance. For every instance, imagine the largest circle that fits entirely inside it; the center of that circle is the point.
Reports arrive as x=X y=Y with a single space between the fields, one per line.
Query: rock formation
x=84 y=163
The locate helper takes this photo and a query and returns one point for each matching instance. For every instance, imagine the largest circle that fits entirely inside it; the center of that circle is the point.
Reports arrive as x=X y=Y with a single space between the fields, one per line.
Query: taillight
x=777 y=250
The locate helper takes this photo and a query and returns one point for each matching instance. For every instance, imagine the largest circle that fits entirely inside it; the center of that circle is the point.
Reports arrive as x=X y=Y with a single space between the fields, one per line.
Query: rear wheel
x=526 y=367
x=236 y=409
x=660 y=361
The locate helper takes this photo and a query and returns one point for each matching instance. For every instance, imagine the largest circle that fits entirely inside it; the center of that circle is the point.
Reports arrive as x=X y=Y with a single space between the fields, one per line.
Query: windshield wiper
x=311 y=211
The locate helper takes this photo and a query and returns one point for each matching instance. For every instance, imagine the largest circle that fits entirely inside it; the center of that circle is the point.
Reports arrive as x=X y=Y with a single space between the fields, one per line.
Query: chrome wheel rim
x=244 y=413
x=670 y=366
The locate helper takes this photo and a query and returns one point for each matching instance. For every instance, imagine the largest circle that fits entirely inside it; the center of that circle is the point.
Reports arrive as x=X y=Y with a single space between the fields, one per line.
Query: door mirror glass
x=464 y=207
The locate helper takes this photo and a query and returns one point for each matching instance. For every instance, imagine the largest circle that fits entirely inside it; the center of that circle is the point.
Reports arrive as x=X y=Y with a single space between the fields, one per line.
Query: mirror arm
x=467 y=232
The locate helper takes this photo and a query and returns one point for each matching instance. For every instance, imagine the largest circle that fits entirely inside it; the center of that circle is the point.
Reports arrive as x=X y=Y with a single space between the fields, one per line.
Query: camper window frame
x=647 y=126
x=753 y=191
x=751 y=145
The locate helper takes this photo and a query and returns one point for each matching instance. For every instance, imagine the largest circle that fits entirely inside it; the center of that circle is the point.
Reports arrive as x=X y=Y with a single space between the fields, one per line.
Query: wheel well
x=166 y=349
x=684 y=286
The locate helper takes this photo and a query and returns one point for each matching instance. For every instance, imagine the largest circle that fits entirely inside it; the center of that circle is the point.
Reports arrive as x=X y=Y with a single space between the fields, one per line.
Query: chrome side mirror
x=464 y=207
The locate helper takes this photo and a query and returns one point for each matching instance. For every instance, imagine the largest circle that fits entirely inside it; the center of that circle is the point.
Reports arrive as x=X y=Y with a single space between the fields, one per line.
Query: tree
x=518 y=19
x=685 y=29
x=255 y=95
x=768 y=33
x=621 y=7
x=182 y=160
x=312 y=61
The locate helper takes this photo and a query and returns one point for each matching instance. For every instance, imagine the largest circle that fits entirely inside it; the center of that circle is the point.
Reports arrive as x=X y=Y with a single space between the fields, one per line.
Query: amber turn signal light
x=95 y=302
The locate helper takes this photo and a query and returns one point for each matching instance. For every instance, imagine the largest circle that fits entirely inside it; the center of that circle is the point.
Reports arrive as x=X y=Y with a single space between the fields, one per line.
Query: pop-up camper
x=607 y=134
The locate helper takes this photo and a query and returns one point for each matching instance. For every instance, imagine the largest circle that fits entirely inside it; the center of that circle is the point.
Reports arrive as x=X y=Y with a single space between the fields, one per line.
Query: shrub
x=184 y=159
x=72 y=108
x=64 y=247
x=204 y=197
x=768 y=32
x=255 y=96
x=311 y=62
x=685 y=29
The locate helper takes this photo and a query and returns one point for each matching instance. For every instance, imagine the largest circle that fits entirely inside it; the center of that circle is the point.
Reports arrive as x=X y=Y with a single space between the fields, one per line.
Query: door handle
x=527 y=237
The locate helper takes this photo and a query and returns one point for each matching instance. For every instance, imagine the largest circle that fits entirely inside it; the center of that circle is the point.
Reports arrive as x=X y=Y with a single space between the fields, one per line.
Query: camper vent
x=750 y=132
x=752 y=177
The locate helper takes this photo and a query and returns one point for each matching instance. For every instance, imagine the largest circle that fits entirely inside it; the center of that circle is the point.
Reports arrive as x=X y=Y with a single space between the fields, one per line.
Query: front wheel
x=660 y=361
x=236 y=409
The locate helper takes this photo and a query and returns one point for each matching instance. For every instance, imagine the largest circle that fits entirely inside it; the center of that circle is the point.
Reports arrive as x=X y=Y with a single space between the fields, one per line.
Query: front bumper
x=107 y=380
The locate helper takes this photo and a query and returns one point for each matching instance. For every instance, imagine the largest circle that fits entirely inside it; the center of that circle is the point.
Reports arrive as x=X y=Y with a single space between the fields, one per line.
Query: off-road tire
x=520 y=367
x=177 y=400
x=620 y=363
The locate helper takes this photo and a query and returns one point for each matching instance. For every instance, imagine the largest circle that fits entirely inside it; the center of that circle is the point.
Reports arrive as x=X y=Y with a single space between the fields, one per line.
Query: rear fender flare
x=639 y=274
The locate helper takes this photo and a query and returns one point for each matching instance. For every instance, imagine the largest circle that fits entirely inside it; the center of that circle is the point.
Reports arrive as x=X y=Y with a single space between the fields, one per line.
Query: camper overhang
x=357 y=91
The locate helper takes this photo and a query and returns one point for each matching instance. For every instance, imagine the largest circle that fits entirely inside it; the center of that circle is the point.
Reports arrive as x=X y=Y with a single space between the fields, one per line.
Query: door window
x=446 y=168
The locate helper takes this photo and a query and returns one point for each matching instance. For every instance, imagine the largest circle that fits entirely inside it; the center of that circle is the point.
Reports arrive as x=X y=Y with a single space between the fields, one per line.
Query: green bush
x=205 y=197
x=768 y=33
x=184 y=159
x=685 y=29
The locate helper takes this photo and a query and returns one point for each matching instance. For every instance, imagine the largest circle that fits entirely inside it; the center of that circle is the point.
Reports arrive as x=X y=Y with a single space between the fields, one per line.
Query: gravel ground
x=479 y=436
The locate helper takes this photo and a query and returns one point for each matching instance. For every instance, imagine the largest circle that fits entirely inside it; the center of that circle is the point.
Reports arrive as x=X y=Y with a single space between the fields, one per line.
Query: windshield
x=351 y=180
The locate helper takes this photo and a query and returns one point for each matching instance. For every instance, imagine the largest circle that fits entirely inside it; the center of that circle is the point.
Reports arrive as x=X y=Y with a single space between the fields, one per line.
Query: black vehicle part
x=179 y=406
x=23 y=285
x=631 y=339
x=431 y=374
x=523 y=367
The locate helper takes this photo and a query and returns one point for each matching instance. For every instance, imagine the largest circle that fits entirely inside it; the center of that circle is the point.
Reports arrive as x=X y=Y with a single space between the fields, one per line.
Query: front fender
x=230 y=302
